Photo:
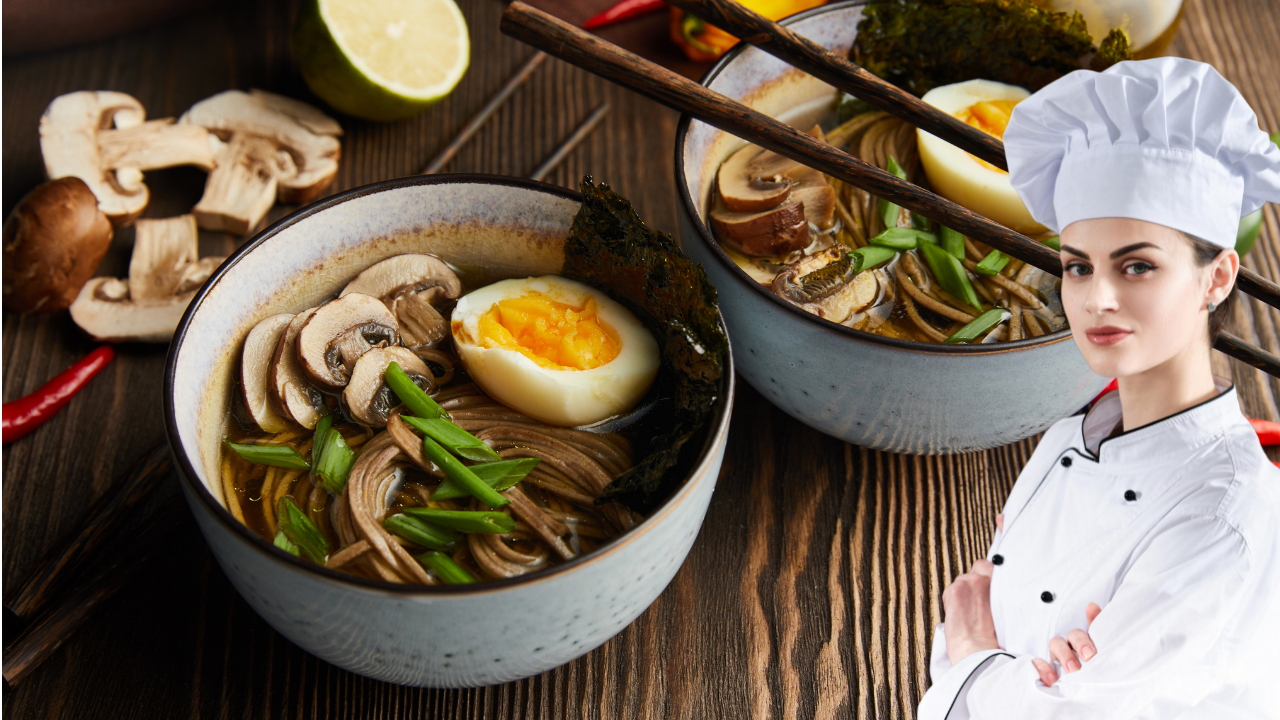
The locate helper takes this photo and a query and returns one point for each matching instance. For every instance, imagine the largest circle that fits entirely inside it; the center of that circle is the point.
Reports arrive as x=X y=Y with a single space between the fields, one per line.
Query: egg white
x=564 y=398
x=959 y=176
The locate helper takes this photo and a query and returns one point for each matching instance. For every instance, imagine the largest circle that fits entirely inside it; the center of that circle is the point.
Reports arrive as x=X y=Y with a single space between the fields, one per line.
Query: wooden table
x=814 y=586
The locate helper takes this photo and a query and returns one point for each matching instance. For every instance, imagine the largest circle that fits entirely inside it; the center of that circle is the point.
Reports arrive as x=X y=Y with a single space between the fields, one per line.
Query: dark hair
x=1205 y=253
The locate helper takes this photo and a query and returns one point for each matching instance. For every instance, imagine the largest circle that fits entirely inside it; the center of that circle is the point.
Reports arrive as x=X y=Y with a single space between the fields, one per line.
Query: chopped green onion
x=497 y=475
x=449 y=572
x=979 y=325
x=900 y=238
x=462 y=474
x=419 y=402
x=459 y=441
x=299 y=530
x=472 y=521
x=276 y=455
x=419 y=532
x=282 y=542
x=953 y=242
x=889 y=212
x=317 y=441
x=336 y=459
x=1054 y=242
x=865 y=258
x=993 y=263
x=920 y=222
x=950 y=274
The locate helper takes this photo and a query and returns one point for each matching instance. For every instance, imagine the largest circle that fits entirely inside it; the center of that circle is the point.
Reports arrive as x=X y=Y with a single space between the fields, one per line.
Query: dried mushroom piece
x=339 y=332
x=411 y=286
x=102 y=138
x=367 y=396
x=255 y=371
x=274 y=147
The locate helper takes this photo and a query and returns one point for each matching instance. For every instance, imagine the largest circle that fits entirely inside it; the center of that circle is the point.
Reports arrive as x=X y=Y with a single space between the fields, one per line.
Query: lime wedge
x=381 y=59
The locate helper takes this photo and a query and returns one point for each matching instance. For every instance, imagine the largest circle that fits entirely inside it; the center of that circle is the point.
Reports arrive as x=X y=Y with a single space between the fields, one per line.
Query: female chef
x=1135 y=571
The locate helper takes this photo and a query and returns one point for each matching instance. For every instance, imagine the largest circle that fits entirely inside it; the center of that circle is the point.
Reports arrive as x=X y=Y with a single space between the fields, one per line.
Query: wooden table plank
x=815 y=583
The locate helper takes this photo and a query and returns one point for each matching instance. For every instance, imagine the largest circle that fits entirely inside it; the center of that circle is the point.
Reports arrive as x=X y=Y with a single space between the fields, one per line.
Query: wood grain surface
x=814 y=585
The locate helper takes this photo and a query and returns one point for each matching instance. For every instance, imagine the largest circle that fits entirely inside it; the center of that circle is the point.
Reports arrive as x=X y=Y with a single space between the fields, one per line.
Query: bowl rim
x=704 y=234
x=187 y=475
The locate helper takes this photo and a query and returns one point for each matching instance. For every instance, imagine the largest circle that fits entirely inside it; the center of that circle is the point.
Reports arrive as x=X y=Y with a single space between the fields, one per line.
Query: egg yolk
x=555 y=335
x=991 y=117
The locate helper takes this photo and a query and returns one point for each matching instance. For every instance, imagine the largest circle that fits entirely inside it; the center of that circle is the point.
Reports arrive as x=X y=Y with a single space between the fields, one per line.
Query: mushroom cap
x=404 y=273
x=255 y=371
x=100 y=311
x=745 y=186
x=53 y=242
x=292 y=395
x=367 y=396
x=333 y=339
x=769 y=233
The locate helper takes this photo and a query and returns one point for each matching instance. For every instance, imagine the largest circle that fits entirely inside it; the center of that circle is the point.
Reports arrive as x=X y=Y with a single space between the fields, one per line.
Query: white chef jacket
x=1174 y=530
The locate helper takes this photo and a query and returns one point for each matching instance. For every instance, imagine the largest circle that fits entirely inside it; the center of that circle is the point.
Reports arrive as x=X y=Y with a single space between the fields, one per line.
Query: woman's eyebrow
x=1130 y=248
x=1073 y=251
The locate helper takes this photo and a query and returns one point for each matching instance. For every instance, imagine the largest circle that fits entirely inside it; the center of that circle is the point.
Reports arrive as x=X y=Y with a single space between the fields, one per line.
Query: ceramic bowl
x=863 y=388
x=438 y=636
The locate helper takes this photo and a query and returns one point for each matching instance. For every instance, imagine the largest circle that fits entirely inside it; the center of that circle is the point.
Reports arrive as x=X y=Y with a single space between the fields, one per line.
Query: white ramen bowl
x=437 y=636
x=867 y=389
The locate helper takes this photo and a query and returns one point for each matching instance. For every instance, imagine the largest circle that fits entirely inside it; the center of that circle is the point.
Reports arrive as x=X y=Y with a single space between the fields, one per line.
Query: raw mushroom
x=367 y=396
x=104 y=310
x=255 y=371
x=275 y=147
x=53 y=242
x=101 y=138
x=291 y=394
x=162 y=250
x=335 y=337
x=409 y=285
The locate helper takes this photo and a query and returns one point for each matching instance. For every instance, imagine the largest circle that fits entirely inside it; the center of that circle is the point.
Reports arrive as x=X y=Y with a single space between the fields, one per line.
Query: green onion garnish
x=890 y=212
x=900 y=238
x=458 y=441
x=979 y=325
x=497 y=475
x=953 y=242
x=283 y=543
x=1054 y=242
x=336 y=459
x=993 y=263
x=865 y=258
x=419 y=532
x=473 y=521
x=276 y=455
x=299 y=530
x=462 y=474
x=419 y=402
x=950 y=273
x=449 y=572
x=920 y=222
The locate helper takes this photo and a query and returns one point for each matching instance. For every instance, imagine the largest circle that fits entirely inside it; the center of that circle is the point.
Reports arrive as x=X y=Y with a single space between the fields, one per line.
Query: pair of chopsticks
x=602 y=58
x=480 y=118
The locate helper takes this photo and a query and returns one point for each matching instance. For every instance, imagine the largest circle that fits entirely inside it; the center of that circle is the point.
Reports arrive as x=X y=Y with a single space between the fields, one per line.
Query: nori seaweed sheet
x=610 y=248
x=921 y=44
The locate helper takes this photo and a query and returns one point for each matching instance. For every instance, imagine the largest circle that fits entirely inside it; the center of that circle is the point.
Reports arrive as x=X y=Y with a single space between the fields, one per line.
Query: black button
x=997 y=559
x=1046 y=596
x=1066 y=462
x=1130 y=495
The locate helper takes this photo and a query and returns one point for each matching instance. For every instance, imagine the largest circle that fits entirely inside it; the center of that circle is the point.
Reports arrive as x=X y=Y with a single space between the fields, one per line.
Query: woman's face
x=1133 y=294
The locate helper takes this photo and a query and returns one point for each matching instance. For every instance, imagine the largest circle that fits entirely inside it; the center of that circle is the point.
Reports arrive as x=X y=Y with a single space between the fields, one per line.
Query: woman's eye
x=1076 y=269
x=1138 y=268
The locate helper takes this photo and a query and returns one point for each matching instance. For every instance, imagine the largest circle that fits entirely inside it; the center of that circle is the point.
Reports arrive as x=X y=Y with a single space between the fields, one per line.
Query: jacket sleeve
x=1156 y=638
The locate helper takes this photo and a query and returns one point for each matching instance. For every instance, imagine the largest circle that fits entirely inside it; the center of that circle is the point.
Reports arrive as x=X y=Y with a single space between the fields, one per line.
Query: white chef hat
x=1167 y=140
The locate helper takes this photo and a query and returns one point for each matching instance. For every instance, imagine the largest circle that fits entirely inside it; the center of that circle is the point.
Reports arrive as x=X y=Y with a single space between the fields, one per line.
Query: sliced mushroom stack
x=255 y=371
x=367 y=396
x=292 y=395
x=410 y=286
x=339 y=332
x=770 y=202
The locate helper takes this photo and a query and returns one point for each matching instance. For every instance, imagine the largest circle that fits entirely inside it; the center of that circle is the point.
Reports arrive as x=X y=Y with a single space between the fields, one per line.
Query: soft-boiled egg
x=963 y=178
x=554 y=349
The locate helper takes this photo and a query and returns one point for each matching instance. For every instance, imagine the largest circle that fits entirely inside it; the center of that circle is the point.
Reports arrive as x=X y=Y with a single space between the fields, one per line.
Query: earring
x=1212 y=306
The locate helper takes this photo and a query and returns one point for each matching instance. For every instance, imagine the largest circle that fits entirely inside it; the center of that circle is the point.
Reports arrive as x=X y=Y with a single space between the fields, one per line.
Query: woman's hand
x=967 y=607
x=1069 y=653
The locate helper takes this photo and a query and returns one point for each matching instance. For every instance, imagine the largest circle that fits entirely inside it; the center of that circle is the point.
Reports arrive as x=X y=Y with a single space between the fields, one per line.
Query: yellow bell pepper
x=703 y=42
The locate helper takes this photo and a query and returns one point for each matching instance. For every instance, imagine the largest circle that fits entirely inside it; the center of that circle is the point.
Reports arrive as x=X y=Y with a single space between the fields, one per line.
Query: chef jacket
x=1174 y=530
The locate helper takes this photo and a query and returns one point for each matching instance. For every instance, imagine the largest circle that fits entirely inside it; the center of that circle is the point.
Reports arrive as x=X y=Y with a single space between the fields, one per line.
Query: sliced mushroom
x=744 y=188
x=162 y=251
x=339 y=333
x=763 y=234
x=195 y=274
x=367 y=396
x=292 y=395
x=410 y=285
x=275 y=147
x=103 y=309
x=101 y=138
x=255 y=371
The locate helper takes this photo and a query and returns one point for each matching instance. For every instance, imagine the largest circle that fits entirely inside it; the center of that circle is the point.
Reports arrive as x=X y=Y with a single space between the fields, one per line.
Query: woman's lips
x=1108 y=335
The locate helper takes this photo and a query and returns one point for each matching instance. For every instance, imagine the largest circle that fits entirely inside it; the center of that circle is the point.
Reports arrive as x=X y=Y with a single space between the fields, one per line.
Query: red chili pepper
x=624 y=10
x=1268 y=431
x=28 y=413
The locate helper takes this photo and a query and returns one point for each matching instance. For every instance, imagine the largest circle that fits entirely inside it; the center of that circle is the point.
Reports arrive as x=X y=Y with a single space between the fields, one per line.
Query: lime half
x=381 y=59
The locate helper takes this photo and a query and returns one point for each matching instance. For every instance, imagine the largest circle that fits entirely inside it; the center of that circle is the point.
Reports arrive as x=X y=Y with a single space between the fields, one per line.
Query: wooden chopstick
x=558 y=155
x=609 y=61
x=803 y=53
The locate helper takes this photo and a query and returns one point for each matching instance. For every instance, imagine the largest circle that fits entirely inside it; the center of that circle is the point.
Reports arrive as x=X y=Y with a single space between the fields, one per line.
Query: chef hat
x=1168 y=141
